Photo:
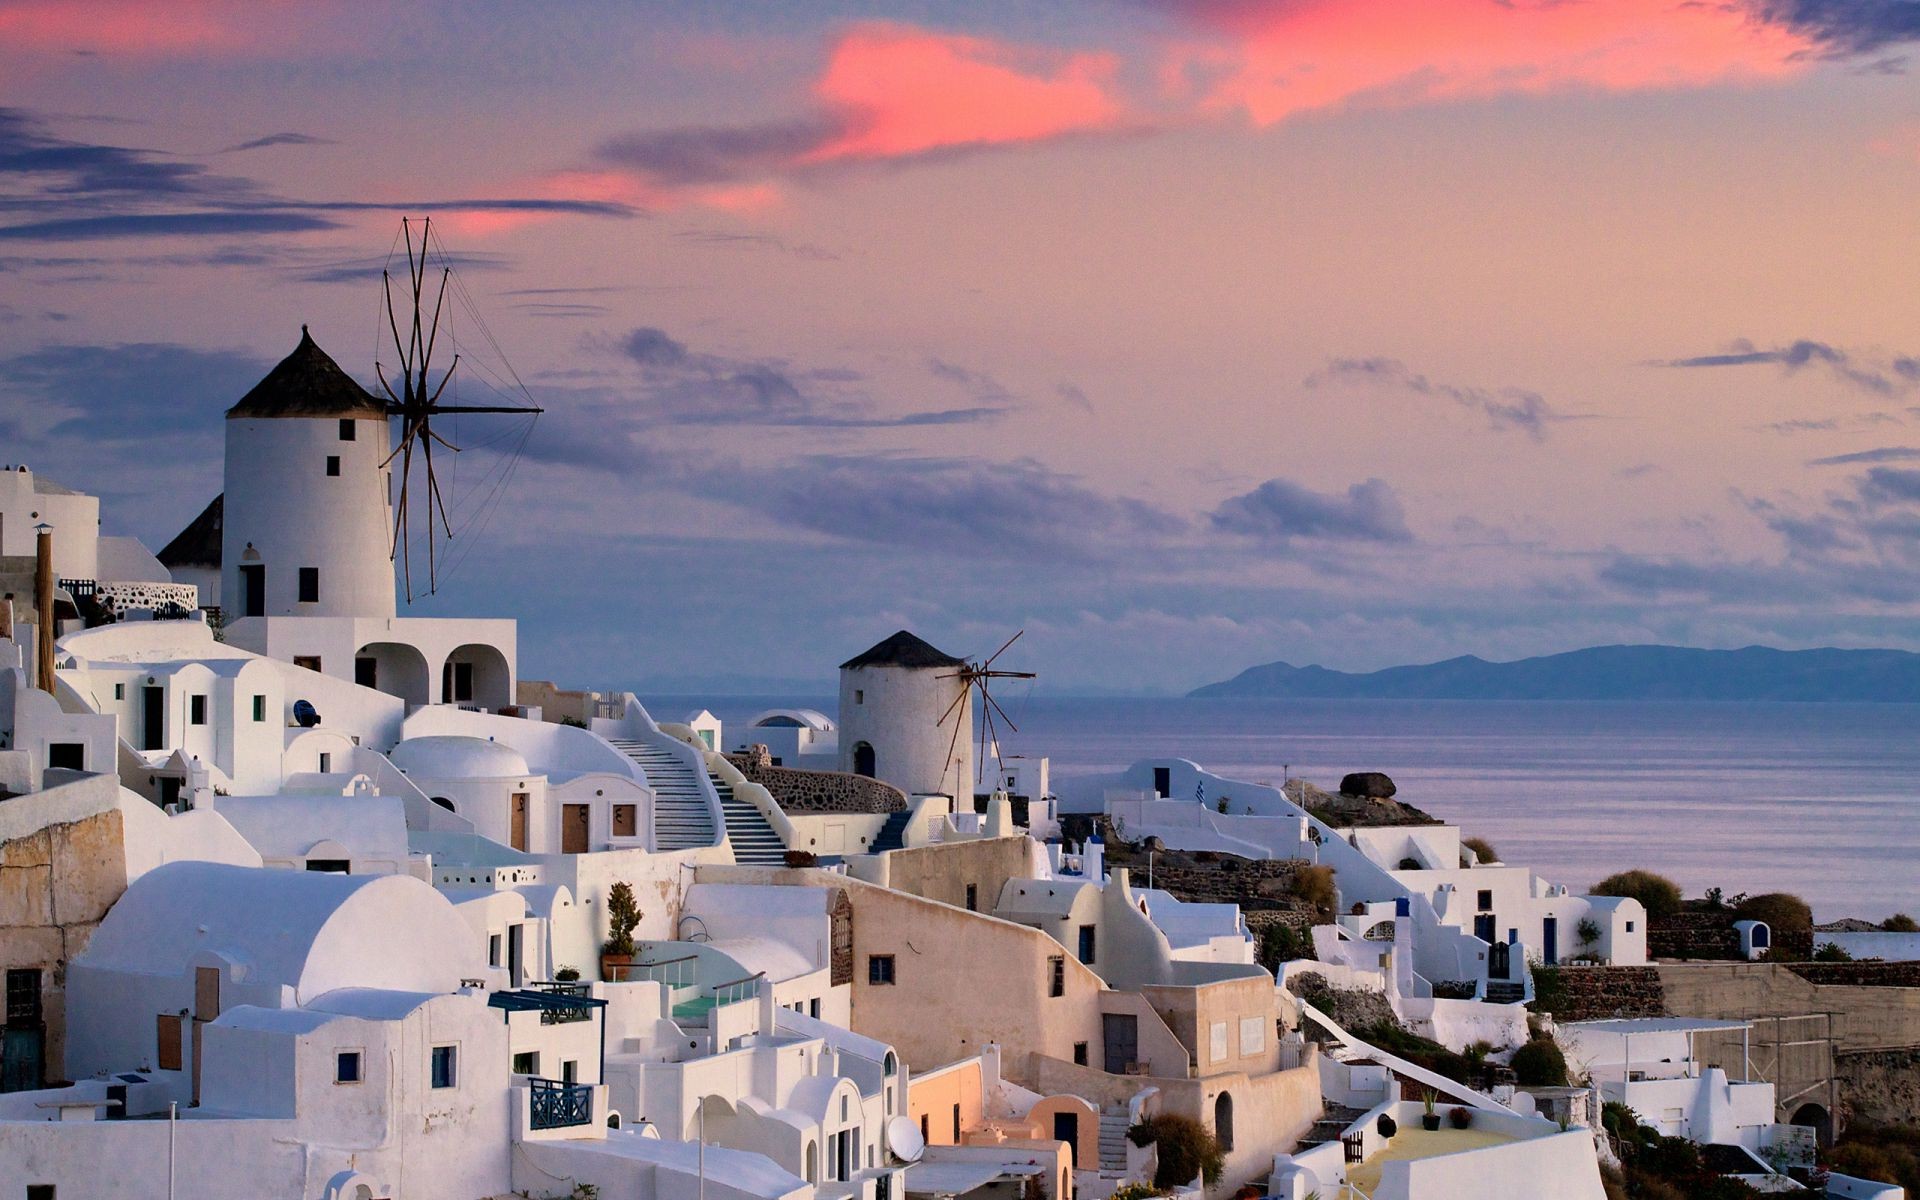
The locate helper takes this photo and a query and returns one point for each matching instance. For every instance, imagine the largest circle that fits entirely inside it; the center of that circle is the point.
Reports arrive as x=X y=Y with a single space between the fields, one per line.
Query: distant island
x=1606 y=673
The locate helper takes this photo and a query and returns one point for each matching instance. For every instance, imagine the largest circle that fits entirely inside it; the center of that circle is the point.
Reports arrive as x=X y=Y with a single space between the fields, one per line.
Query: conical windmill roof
x=903 y=649
x=308 y=383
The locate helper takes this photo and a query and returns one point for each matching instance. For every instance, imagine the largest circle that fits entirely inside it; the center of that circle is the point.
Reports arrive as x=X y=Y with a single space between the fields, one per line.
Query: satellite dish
x=304 y=714
x=903 y=1138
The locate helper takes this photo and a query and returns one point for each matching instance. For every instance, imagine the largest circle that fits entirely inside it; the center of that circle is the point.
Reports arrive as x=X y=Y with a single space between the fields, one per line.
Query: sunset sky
x=1183 y=334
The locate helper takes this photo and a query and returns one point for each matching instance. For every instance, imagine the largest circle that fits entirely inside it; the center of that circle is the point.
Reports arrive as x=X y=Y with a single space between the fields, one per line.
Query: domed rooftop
x=450 y=756
x=308 y=383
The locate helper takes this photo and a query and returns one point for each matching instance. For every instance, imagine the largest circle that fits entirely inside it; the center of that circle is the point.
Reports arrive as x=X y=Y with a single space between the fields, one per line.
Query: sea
x=1821 y=800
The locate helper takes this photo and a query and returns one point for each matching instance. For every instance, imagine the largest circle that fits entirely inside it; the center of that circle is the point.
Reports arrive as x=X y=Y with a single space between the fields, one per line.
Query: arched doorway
x=863 y=760
x=476 y=676
x=394 y=668
x=813 y=1162
x=1223 y=1121
x=1818 y=1119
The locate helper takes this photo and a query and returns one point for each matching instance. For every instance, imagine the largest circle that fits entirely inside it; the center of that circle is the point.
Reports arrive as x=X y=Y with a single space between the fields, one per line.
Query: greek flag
x=1200 y=792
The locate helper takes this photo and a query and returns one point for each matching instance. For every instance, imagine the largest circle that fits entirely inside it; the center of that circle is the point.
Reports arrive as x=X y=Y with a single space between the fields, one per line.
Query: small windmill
x=417 y=402
x=976 y=677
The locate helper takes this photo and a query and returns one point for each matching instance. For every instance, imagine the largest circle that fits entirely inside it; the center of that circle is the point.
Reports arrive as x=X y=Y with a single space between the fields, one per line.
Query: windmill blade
x=1002 y=650
x=406 y=443
x=1009 y=675
x=956 y=701
x=400 y=540
x=980 y=760
x=994 y=734
x=995 y=706
x=444 y=380
x=434 y=335
x=953 y=744
x=433 y=492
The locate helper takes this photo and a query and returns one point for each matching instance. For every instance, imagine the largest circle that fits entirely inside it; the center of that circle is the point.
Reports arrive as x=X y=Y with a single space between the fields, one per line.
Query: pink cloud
x=136 y=28
x=901 y=91
x=1274 y=61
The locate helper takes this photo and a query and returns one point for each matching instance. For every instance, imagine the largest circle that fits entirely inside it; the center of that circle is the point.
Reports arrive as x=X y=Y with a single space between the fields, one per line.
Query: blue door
x=1550 y=940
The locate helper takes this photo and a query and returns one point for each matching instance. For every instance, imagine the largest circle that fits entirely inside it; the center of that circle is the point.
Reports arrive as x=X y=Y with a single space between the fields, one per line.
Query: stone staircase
x=1113 y=1141
x=754 y=840
x=892 y=835
x=1500 y=991
x=1331 y=1125
x=681 y=819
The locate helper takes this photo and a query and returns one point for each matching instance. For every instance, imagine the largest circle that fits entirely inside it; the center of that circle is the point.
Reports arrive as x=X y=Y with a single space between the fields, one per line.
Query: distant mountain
x=1607 y=673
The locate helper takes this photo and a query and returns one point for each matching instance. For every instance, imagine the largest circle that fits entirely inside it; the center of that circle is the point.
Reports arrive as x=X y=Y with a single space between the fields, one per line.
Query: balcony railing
x=558 y=1105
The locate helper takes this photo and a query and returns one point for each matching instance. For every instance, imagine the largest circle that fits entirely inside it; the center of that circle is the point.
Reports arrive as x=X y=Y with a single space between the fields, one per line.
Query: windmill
x=417 y=402
x=976 y=677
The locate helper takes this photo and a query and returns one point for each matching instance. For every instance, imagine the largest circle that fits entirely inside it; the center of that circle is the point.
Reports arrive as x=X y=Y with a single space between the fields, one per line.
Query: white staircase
x=682 y=818
x=1113 y=1141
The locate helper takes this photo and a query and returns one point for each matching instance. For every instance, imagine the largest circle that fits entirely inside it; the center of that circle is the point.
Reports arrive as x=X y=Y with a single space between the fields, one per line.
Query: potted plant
x=1386 y=1126
x=1429 y=1120
x=623 y=915
x=1461 y=1118
x=567 y=974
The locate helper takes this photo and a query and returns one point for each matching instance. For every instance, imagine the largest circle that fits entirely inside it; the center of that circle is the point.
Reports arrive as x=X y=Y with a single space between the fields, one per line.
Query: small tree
x=1589 y=931
x=1900 y=923
x=1540 y=1063
x=1315 y=885
x=1831 y=952
x=1482 y=849
x=623 y=916
x=1780 y=910
x=1657 y=894
x=1185 y=1147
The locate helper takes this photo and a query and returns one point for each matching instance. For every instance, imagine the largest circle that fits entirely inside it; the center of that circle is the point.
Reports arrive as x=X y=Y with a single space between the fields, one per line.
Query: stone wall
x=1860 y=974
x=797 y=791
x=1881 y=1085
x=56 y=883
x=1598 y=993
x=1710 y=935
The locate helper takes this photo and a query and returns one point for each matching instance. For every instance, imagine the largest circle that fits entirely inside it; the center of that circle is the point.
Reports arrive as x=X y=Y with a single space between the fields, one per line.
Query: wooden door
x=1120 y=1035
x=517 y=833
x=573 y=828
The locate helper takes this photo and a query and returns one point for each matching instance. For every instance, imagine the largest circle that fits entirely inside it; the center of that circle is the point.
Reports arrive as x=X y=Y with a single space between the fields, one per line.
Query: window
x=1087 y=944
x=1057 y=976
x=956 y=1124
x=973 y=897
x=879 y=969
x=570 y=1071
x=1486 y=899
x=923 y=1127
x=167 y=1043
x=1629 y=926
x=307 y=662
x=196 y=710
x=444 y=1066
x=346 y=1067
x=1217 y=1041
x=335 y=866
x=309 y=585
x=813 y=1008
x=493 y=950
x=333 y=465
x=626 y=820
x=23 y=996
x=859 y=697
x=1253 y=1035
x=1079 y=1054
x=119 y=691
x=40 y=1191
x=67 y=756
x=326 y=763
x=527 y=1062
x=346 y=429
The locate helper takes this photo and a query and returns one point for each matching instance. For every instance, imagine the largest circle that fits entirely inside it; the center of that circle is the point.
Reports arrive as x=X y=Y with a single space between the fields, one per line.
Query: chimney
x=43 y=588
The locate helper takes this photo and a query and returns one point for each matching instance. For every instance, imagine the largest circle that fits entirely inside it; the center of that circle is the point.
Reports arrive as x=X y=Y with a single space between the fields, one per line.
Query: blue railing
x=558 y=1105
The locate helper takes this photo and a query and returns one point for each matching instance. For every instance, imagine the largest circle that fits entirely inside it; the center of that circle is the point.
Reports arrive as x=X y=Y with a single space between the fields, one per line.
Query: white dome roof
x=449 y=756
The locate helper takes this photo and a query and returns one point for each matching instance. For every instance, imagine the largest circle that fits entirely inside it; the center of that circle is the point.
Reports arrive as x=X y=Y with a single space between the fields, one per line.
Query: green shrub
x=1540 y=1063
x=1900 y=923
x=1830 y=952
x=1657 y=894
x=1281 y=943
x=1314 y=885
x=1780 y=910
x=623 y=915
x=1589 y=931
x=1185 y=1147
x=1482 y=849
